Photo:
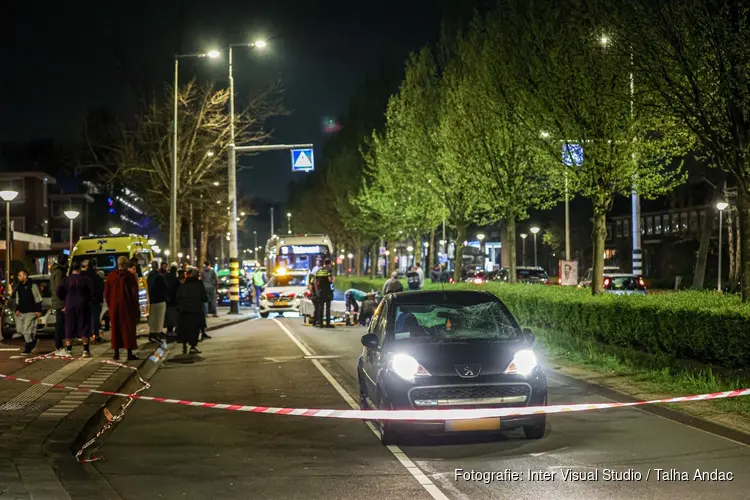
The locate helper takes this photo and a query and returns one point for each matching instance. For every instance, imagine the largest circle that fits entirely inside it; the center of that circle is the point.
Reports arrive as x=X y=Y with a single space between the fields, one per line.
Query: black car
x=526 y=275
x=449 y=350
x=223 y=291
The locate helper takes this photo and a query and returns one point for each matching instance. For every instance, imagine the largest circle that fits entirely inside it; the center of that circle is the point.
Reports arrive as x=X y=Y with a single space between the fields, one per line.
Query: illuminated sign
x=302 y=249
x=572 y=154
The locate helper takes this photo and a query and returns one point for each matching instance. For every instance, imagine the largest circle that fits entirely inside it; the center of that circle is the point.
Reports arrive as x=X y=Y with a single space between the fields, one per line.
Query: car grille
x=470 y=396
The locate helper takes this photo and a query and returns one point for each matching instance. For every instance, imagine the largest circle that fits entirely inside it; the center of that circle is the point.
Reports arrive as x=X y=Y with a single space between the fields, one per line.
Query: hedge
x=696 y=325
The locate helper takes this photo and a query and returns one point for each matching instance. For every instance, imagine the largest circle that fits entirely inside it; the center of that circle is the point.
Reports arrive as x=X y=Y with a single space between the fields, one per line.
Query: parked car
x=449 y=349
x=588 y=276
x=527 y=275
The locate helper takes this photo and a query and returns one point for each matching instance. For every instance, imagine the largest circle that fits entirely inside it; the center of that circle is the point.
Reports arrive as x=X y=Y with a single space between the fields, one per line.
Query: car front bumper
x=497 y=391
x=267 y=306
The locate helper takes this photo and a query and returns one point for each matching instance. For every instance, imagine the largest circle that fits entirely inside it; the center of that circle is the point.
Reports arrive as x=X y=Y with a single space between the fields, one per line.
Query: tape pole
x=415 y=415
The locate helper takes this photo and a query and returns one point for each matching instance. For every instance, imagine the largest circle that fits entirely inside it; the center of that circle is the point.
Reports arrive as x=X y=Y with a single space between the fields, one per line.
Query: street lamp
x=152 y=242
x=234 y=263
x=523 y=248
x=166 y=252
x=8 y=196
x=722 y=205
x=212 y=54
x=72 y=215
x=534 y=230
x=115 y=230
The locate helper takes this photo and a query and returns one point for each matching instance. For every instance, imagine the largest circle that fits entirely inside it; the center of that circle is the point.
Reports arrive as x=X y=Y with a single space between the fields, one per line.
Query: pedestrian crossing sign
x=303 y=160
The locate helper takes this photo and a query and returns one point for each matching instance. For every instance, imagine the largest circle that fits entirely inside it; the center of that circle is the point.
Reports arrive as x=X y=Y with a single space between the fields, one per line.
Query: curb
x=658 y=410
x=147 y=367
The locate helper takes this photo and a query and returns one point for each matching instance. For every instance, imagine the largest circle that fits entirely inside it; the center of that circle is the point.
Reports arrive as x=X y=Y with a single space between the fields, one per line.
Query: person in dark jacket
x=28 y=309
x=164 y=269
x=57 y=274
x=324 y=293
x=393 y=285
x=97 y=299
x=77 y=291
x=173 y=287
x=413 y=280
x=190 y=302
x=157 y=299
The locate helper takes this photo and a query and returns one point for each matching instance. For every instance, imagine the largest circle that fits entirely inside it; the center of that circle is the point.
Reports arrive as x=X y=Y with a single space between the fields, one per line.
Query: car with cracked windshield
x=449 y=350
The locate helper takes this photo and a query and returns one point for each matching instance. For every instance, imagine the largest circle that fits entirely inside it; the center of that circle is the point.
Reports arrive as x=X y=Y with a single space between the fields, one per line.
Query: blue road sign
x=572 y=154
x=303 y=160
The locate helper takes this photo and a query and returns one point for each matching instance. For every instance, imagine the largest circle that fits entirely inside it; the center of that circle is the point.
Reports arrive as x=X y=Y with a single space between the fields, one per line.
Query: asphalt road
x=168 y=451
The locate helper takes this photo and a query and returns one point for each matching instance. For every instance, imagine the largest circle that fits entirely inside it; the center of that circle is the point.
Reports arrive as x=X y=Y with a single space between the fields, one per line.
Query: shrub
x=700 y=325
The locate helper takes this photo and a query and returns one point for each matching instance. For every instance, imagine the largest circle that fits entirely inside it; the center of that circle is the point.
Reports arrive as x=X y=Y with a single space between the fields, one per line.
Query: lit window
x=657 y=224
x=649 y=225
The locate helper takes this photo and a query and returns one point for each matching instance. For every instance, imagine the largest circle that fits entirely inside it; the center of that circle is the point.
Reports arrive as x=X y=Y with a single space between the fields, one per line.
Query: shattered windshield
x=447 y=322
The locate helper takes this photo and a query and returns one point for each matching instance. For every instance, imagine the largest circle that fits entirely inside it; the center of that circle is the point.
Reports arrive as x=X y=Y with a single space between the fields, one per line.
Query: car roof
x=620 y=275
x=461 y=297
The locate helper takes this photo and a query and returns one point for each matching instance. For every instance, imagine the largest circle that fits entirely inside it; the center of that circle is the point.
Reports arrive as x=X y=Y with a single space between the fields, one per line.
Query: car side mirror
x=370 y=340
x=529 y=336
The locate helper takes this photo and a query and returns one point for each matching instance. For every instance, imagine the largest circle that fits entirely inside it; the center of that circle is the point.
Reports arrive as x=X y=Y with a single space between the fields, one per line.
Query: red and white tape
x=421 y=415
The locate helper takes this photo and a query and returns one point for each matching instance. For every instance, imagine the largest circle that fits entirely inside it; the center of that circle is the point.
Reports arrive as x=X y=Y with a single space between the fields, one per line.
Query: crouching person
x=28 y=309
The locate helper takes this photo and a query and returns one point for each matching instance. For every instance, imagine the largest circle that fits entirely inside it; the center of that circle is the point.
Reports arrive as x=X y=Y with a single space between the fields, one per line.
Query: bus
x=297 y=252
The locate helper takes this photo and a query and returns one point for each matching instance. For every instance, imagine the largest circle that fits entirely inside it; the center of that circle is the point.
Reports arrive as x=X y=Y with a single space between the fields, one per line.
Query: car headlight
x=407 y=367
x=524 y=362
x=223 y=290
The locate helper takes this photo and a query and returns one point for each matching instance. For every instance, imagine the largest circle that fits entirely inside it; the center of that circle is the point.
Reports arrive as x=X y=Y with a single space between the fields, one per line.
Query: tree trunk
x=706 y=231
x=730 y=245
x=358 y=257
x=598 y=237
x=390 y=259
x=373 y=260
x=203 y=247
x=430 y=253
x=737 y=251
x=510 y=241
x=459 y=257
x=744 y=242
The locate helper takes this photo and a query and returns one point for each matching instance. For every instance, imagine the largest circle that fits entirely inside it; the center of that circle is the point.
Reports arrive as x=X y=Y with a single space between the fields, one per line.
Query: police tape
x=402 y=415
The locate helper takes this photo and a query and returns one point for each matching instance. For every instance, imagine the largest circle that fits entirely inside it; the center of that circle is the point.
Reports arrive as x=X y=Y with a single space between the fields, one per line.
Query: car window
x=44 y=288
x=624 y=283
x=104 y=262
x=288 y=280
x=447 y=322
x=532 y=273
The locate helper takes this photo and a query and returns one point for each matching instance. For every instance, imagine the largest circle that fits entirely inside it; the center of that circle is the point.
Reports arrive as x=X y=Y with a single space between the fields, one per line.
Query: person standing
x=211 y=283
x=393 y=285
x=28 y=309
x=77 y=292
x=259 y=281
x=190 y=301
x=57 y=274
x=173 y=286
x=157 y=299
x=97 y=298
x=121 y=294
x=164 y=269
x=412 y=278
x=324 y=292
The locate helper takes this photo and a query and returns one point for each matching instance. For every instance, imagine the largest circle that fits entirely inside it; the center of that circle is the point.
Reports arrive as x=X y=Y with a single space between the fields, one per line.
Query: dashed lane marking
x=415 y=471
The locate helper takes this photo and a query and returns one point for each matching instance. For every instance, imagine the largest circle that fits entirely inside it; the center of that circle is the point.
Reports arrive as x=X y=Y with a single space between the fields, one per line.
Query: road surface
x=169 y=451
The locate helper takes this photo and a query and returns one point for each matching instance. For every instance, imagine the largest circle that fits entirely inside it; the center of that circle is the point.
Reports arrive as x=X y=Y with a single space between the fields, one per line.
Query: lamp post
x=173 y=243
x=115 y=230
x=523 y=248
x=534 y=230
x=722 y=205
x=481 y=237
x=71 y=215
x=8 y=196
x=234 y=263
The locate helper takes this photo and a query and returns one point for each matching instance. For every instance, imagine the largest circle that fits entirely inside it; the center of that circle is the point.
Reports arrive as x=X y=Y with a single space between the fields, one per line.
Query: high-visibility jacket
x=259 y=278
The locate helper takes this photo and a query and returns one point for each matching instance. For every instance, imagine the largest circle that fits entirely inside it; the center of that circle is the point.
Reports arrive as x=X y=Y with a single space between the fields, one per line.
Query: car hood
x=284 y=290
x=444 y=358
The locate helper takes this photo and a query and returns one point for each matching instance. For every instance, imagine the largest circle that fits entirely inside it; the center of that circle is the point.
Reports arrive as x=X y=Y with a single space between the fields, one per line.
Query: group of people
x=178 y=299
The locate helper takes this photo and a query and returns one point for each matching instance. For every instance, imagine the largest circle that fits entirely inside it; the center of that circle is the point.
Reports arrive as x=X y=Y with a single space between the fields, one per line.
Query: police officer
x=324 y=293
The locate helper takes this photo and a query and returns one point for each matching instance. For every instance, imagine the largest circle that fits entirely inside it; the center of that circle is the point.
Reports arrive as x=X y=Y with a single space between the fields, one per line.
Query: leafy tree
x=692 y=57
x=578 y=91
x=482 y=130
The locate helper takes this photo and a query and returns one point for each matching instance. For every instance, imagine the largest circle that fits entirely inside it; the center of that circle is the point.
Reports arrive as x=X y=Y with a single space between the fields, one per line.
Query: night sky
x=62 y=59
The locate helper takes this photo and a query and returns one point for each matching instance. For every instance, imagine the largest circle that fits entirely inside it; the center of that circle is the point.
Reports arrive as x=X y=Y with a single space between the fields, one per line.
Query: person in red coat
x=121 y=294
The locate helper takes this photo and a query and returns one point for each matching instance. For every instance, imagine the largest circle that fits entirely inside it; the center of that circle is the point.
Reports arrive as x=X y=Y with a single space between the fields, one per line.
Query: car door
x=372 y=357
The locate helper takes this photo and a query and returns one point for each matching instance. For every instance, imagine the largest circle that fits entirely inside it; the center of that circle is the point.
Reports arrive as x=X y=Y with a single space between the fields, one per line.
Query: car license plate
x=478 y=424
x=281 y=303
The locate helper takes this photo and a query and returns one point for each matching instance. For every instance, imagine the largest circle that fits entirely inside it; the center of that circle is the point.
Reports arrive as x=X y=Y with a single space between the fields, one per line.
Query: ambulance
x=105 y=250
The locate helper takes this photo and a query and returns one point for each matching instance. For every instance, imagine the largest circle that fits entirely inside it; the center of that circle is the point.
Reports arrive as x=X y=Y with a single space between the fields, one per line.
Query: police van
x=105 y=250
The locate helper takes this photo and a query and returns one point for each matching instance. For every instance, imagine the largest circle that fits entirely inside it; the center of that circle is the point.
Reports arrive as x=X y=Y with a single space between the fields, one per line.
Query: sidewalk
x=38 y=424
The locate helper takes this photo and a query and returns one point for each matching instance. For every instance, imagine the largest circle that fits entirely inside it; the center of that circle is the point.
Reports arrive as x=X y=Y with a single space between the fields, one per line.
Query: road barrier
x=403 y=415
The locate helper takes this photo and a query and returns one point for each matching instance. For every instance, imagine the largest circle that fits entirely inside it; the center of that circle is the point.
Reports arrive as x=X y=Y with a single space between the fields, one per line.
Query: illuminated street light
x=213 y=54
x=410 y=248
x=115 y=230
x=722 y=205
x=8 y=196
x=604 y=40
x=166 y=252
x=216 y=183
x=534 y=230
x=523 y=248
x=260 y=44
x=152 y=242
x=210 y=154
x=72 y=215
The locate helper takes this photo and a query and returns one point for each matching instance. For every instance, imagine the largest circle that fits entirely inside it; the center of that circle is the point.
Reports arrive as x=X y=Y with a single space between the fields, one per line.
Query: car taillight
x=478 y=281
x=641 y=282
x=607 y=281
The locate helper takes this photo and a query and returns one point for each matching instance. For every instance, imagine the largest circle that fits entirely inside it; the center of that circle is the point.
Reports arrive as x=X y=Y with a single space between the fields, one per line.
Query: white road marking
x=324 y=356
x=8 y=349
x=415 y=471
x=283 y=359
